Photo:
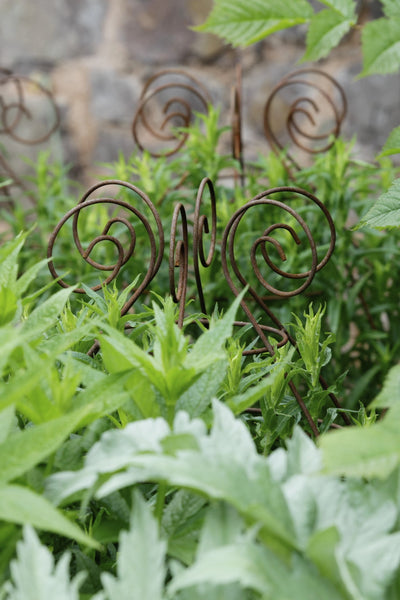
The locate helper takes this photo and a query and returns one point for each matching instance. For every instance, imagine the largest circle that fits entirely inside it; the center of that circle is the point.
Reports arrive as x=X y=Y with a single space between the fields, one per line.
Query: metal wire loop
x=14 y=107
x=158 y=128
x=123 y=255
x=260 y=246
x=201 y=227
x=323 y=100
x=178 y=257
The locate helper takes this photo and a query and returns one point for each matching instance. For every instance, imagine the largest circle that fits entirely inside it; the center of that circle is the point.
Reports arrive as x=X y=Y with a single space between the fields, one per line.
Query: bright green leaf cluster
x=241 y=24
x=385 y=213
x=275 y=527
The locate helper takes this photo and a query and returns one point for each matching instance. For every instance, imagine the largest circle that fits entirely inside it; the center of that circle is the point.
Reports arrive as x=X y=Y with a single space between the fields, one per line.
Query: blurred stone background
x=96 y=54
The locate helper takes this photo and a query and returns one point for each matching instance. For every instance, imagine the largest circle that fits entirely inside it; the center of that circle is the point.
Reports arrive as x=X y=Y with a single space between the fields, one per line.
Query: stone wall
x=96 y=54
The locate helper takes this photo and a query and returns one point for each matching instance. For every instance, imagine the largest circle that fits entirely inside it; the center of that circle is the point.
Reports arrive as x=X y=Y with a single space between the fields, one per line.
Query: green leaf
x=346 y=8
x=143 y=394
x=28 y=276
x=364 y=452
x=242 y=24
x=114 y=451
x=9 y=261
x=197 y=398
x=57 y=344
x=180 y=524
x=20 y=505
x=7 y=421
x=391 y=8
x=45 y=315
x=209 y=346
x=8 y=305
x=225 y=466
x=14 y=391
x=321 y=550
x=325 y=32
x=116 y=346
x=103 y=397
x=24 y=449
x=392 y=144
x=303 y=457
x=141 y=556
x=385 y=213
x=390 y=394
x=34 y=575
x=259 y=569
x=222 y=526
x=381 y=46
x=241 y=402
x=170 y=344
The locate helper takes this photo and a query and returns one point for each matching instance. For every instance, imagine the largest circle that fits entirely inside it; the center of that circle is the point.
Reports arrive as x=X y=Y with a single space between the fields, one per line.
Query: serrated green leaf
x=391 y=8
x=381 y=46
x=259 y=569
x=242 y=24
x=225 y=466
x=392 y=144
x=385 y=213
x=241 y=402
x=141 y=556
x=19 y=504
x=34 y=575
x=390 y=394
x=111 y=453
x=325 y=32
x=347 y=8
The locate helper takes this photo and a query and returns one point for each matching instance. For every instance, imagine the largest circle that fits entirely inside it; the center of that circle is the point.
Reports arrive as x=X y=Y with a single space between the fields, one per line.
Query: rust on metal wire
x=161 y=132
x=259 y=250
x=272 y=334
x=16 y=109
x=236 y=124
x=178 y=257
x=316 y=99
x=154 y=232
x=167 y=104
x=201 y=226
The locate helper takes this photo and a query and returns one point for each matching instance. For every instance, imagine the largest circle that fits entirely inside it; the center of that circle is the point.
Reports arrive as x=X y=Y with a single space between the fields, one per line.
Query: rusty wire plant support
x=236 y=124
x=316 y=99
x=305 y=116
x=154 y=231
x=181 y=249
x=180 y=95
x=15 y=110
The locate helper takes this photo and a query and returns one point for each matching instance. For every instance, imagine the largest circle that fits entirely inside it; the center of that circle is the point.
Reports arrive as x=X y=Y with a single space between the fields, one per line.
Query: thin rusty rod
x=178 y=257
